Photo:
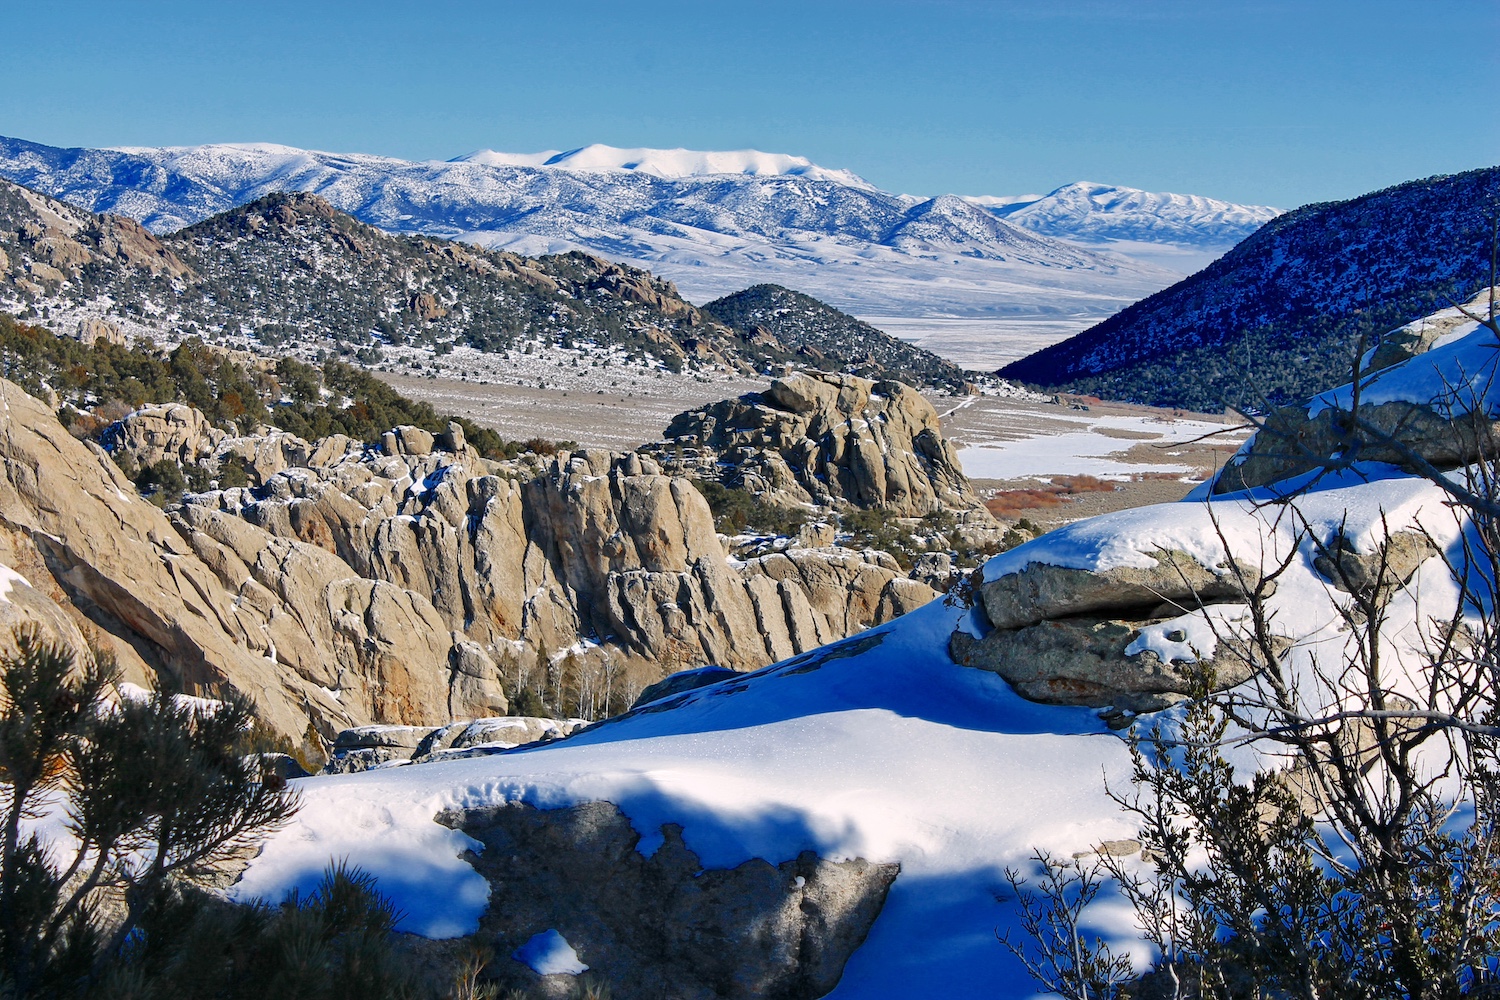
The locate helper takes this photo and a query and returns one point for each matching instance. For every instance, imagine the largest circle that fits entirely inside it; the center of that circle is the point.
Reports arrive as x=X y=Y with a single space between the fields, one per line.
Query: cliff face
x=351 y=585
x=211 y=601
x=599 y=547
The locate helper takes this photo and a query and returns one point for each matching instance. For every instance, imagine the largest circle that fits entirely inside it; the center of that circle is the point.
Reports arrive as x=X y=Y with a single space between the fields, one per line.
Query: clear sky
x=1269 y=102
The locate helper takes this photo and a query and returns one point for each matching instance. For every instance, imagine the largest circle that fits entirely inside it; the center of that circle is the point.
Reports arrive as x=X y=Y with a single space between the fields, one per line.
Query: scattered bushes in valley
x=98 y=384
x=1008 y=503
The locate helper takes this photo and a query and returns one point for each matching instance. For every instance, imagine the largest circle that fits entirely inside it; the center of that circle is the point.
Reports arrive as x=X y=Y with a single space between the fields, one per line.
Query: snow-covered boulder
x=1432 y=398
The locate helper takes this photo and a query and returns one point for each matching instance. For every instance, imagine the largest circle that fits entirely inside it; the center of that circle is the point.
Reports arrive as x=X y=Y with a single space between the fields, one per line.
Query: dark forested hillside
x=823 y=334
x=1278 y=317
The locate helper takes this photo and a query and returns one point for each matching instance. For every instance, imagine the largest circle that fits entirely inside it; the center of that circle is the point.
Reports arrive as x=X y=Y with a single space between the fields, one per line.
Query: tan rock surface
x=213 y=601
x=1040 y=591
x=830 y=439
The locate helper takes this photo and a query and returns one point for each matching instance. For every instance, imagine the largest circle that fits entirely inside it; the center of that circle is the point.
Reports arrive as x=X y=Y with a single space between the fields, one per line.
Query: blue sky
x=1270 y=102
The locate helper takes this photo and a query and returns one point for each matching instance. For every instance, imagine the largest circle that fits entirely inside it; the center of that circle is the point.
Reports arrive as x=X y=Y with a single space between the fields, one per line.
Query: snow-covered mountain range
x=1104 y=214
x=713 y=222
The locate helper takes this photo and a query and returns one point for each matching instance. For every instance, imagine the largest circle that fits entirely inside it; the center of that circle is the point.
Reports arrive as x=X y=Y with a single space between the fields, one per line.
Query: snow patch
x=8 y=579
x=549 y=954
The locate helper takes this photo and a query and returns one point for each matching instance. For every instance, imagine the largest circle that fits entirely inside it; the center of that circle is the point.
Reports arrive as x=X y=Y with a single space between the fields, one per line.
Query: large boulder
x=1132 y=666
x=1131 y=611
x=1041 y=591
x=663 y=924
x=174 y=432
x=830 y=439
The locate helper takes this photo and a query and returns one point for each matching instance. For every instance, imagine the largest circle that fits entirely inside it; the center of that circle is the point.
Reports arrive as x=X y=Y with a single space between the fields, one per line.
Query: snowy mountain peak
x=671 y=163
x=1105 y=212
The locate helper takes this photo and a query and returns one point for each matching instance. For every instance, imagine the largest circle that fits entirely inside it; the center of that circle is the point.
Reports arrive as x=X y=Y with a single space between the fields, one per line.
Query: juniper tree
x=105 y=803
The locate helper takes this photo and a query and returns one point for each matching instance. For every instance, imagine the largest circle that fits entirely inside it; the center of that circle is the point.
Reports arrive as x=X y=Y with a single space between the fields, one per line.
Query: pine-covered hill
x=1279 y=317
x=288 y=269
x=822 y=334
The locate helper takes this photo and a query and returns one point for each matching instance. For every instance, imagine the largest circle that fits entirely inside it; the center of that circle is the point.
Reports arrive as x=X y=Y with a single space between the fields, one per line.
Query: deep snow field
x=892 y=754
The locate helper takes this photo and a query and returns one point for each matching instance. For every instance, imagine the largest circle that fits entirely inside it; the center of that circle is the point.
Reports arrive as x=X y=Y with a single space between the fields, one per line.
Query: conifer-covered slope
x=1279 y=317
x=822 y=333
x=290 y=272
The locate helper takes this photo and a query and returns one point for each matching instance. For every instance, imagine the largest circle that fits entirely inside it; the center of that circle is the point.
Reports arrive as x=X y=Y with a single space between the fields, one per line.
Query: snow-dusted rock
x=1038 y=591
x=175 y=431
x=828 y=439
x=1107 y=663
x=1432 y=398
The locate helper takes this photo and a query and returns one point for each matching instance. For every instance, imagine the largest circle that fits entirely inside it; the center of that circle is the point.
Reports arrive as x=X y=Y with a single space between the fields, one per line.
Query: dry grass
x=1010 y=503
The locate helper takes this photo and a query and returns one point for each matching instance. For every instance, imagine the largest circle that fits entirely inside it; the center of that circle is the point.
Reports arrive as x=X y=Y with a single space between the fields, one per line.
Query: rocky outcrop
x=175 y=432
x=1041 y=591
x=405 y=583
x=826 y=439
x=363 y=747
x=93 y=330
x=1290 y=443
x=1103 y=662
x=215 y=603
x=1128 y=638
x=680 y=682
x=591 y=544
x=664 y=925
x=24 y=608
x=1443 y=421
x=54 y=242
x=1379 y=573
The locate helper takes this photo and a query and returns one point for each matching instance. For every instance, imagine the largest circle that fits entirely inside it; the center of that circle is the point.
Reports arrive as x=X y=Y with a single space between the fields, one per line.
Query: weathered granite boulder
x=497 y=733
x=23 y=607
x=664 y=925
x=828 y=439
x=175 y=432
x=597 y=544
x=1041 y=591
x=1385 y=570
x=93 y=330
x=1291 y=443
x=1101 y=662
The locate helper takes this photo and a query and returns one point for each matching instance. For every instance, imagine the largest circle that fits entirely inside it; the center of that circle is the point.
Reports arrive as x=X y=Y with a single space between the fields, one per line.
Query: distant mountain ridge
x=1279 y=317
x=711 y=222
x=1103 y=213
x=669 y=163
x=290 y=273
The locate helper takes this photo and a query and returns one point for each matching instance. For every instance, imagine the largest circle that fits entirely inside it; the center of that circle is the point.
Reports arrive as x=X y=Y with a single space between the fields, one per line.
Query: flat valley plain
x=1048 y=459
